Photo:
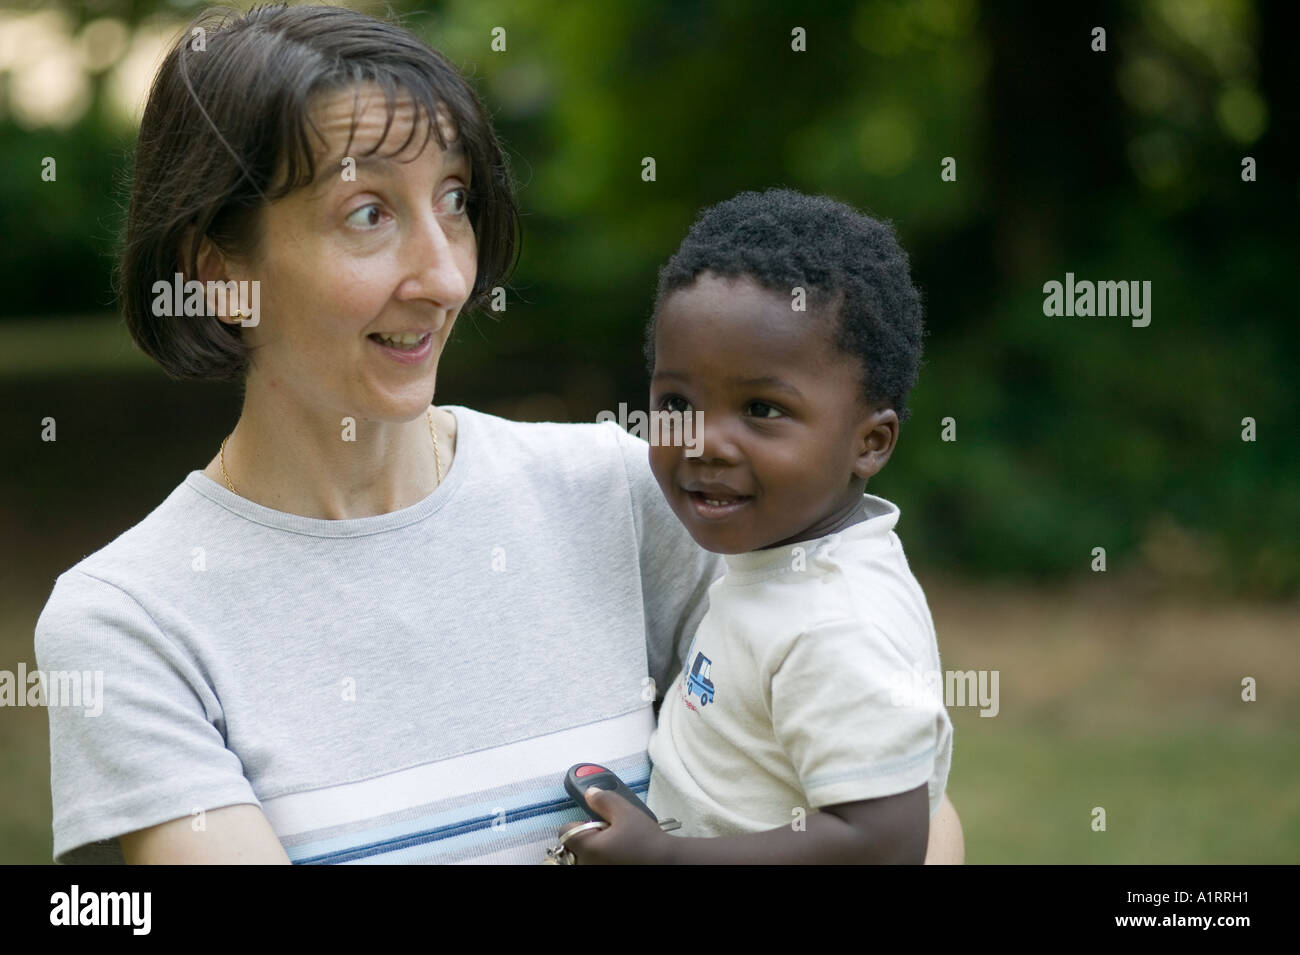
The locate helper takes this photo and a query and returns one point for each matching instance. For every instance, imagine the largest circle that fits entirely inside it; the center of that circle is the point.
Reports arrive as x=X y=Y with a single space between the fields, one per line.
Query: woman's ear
x=210 y=262
x=875 y=438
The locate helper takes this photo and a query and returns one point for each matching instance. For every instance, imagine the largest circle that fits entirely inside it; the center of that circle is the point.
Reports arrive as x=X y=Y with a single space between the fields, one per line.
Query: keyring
x=562 y=854
x=594 y=826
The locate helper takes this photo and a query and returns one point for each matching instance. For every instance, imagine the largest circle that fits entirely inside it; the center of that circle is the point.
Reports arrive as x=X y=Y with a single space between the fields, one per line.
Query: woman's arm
x=233 y=835
x=946 y=845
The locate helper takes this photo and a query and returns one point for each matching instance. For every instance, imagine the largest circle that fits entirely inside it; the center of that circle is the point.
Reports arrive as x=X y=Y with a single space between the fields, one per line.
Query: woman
x=370 y=629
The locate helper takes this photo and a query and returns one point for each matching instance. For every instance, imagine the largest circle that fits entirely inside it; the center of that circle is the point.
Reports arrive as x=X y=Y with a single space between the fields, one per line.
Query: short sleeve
x=675 y=571
x=147 y=746
x=838 y=713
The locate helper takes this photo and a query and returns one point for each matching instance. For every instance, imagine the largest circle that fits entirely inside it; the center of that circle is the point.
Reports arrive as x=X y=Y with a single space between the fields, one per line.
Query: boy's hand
x=631 y=839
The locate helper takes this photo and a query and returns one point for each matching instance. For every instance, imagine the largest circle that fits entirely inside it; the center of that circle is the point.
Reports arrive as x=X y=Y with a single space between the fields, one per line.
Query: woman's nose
x=436 y=260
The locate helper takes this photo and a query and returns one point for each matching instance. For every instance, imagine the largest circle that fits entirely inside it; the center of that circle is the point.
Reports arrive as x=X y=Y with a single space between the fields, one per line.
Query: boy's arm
x=887 y=830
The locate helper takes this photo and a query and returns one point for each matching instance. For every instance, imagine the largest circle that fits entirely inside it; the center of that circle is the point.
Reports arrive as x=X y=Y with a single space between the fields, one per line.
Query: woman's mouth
x=715 y=506
x=404 y=348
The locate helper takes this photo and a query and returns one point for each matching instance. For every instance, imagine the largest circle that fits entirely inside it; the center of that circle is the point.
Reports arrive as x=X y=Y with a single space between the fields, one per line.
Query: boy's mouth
x=716 y=503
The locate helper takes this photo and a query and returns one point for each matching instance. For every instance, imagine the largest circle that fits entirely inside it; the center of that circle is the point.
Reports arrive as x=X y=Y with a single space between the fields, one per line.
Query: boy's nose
x=717 y=443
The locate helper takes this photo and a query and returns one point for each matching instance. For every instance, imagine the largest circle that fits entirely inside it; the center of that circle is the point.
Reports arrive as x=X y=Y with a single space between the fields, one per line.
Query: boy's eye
x=761 y=409
x=674 y=403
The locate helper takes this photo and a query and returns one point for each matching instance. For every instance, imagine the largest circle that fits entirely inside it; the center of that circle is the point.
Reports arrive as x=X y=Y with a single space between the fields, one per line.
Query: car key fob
x=582 y=776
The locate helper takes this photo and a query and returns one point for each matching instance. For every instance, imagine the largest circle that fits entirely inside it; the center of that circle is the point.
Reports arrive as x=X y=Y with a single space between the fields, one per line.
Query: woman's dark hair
x=229 y=112
x=850 y=265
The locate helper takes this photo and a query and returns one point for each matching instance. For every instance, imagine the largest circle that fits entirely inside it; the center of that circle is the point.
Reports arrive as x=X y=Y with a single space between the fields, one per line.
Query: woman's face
x=379 y=246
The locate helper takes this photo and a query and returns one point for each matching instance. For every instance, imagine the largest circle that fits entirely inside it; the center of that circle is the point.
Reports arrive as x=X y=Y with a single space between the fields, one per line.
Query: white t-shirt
x=812 y=681
x=407 y=687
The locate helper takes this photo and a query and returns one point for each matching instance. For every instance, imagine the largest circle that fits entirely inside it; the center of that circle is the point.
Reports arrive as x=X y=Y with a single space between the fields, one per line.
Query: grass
x=1130 y=702
x=60 y=345
x=1205 y=795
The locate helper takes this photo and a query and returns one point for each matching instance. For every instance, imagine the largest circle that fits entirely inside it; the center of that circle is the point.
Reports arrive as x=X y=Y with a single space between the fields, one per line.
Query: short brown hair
x=222 y=121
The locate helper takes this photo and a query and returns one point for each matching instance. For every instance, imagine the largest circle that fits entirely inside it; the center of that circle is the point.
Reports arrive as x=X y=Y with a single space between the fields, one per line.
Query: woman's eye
x=461 y=203
x=761 y=409
x=370 y=220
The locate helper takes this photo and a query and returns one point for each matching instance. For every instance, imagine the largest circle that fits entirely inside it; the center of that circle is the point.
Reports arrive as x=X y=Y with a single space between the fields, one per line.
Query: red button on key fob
x=582 y=776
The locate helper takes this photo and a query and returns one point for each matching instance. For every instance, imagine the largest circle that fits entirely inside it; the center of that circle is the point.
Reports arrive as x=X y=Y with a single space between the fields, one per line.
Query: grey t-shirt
x=401 y=688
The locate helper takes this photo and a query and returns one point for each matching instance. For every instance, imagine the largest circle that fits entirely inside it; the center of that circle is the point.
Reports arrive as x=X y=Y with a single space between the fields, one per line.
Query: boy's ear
x=875 y=439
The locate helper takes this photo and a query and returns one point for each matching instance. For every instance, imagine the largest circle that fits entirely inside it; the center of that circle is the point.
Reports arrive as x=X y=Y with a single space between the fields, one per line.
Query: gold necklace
x=437 y=459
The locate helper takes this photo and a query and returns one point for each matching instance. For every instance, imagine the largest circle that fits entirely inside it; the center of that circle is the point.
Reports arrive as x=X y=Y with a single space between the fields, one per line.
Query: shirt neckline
x=882 y=516
x=466 y=436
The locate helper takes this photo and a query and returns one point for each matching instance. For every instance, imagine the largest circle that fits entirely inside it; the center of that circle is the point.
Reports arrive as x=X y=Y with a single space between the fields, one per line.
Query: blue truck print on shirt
x=698 y=682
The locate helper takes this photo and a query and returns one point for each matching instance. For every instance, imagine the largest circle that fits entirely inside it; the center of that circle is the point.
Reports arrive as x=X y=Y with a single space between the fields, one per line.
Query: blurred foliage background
x=1072 y=433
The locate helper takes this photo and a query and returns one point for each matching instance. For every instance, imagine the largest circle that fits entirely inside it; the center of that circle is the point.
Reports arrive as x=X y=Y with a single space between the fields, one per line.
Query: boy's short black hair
x=782 y=239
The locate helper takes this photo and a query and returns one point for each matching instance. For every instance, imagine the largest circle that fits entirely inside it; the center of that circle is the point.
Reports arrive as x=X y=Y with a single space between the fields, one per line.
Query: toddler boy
x=790 y=323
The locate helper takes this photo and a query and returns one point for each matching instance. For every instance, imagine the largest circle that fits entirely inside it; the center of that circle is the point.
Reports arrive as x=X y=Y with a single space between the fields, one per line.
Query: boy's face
x=786 y=441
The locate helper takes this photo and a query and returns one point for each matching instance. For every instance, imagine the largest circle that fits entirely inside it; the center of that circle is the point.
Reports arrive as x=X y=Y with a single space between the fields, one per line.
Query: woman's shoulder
x=584 y=462
x=532 y=433
x=144 y=550
x=550 y=450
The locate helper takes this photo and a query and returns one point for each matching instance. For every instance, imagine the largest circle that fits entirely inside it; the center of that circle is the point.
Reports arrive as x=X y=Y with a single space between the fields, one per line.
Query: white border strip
x=606 y=740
